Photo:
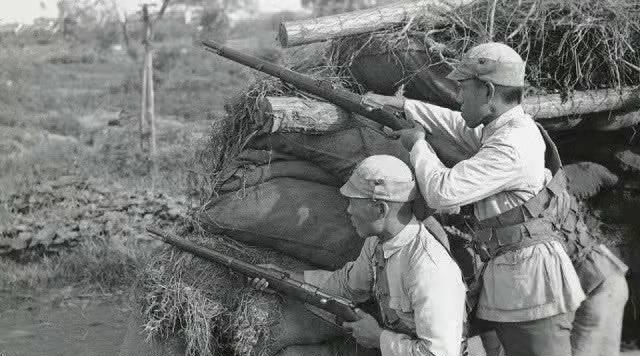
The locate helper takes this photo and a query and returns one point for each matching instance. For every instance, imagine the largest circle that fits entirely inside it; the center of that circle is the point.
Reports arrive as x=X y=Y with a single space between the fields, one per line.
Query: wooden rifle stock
x=279 y=281
x=347 y=100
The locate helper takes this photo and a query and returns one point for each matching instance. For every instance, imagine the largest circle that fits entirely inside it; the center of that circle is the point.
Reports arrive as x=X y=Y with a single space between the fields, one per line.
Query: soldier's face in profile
x=365 y=216
x=474 y=96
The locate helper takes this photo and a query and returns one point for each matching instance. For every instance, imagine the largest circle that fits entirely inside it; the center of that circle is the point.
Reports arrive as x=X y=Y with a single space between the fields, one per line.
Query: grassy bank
x=70 y=109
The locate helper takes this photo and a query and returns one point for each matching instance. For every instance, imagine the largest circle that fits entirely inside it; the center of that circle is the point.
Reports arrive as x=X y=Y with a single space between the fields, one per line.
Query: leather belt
x=493 y=241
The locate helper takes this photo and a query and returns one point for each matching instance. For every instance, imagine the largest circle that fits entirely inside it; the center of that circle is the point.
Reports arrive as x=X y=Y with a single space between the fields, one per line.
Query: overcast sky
x=25 y=11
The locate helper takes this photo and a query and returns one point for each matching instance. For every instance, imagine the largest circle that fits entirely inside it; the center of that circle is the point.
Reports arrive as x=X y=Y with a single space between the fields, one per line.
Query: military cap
x=381 y=177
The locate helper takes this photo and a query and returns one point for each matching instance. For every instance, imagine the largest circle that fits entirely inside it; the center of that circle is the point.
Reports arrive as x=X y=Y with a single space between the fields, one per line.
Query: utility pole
x=147 y=115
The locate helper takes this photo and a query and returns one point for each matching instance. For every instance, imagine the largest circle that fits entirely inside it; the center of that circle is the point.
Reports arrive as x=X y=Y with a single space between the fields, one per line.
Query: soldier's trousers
x=597 y=327
x=542 y=337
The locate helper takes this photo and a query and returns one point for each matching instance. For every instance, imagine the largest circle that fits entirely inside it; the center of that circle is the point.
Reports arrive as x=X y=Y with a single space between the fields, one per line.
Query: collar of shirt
x=405 y=236
x=512 y=114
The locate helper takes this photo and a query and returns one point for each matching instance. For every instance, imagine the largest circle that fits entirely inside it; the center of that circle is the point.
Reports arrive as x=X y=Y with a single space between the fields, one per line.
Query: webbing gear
x=390 y=318
x=532 y=222
x=552 y=156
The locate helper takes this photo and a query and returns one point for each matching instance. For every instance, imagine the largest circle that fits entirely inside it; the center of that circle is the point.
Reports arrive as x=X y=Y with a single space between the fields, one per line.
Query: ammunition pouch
x=552 y=214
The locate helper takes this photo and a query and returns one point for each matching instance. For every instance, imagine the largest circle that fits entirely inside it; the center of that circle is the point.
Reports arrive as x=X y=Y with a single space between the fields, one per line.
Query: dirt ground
x=61 y=324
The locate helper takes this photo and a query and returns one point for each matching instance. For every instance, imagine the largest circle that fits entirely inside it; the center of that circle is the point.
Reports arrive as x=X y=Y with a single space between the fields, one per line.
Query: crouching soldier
x=416 y=284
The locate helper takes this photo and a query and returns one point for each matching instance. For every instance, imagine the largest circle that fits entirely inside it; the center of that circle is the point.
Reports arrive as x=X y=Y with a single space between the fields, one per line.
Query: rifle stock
x=279 y=281
x=349 y=101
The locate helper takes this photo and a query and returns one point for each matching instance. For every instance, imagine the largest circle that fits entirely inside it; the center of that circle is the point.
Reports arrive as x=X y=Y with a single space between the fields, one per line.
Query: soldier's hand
x=258 y=283
x=409 y=137
x=373 y=101
x=262 y=284
x=366 y=330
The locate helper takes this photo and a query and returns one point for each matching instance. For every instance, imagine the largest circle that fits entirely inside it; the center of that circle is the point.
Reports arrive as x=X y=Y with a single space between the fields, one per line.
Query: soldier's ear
x=381 y=208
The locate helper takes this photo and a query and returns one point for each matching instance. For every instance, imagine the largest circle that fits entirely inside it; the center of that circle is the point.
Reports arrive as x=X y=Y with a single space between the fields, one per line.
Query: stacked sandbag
x=291 y=202
x=298 y=217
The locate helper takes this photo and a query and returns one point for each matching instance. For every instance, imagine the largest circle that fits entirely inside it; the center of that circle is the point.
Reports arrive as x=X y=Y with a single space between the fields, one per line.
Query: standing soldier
x=415 y=282
x=529 y=290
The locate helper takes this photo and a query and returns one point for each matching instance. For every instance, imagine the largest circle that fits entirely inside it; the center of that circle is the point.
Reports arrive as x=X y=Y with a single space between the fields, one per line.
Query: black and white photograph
x=319 y=177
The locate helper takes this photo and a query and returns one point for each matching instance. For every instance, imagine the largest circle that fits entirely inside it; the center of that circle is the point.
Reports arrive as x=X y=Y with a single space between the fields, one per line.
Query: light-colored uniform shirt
x=504 y=169
x=425 y=288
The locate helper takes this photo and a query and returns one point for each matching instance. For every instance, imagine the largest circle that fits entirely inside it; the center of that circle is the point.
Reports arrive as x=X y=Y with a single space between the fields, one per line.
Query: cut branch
x=295 y=33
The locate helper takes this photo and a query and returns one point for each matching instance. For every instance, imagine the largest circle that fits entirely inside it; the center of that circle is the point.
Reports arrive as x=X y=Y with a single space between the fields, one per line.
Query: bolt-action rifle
x=347 y=100
x=279 y=281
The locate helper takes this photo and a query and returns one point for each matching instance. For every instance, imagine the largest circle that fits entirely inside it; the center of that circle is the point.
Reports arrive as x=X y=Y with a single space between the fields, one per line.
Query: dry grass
x=98 y=265
x=231 y=133
x=568 y=45
x=206 y=303
x=242 y=122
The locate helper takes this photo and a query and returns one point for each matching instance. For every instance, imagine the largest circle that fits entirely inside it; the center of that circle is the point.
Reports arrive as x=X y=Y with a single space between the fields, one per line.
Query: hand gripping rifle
x=347 y=100
x=279 y=281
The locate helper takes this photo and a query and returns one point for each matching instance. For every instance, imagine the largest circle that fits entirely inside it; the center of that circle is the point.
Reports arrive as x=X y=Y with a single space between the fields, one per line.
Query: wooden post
x=151 y=117
x=147 y=91
x=143 y=102
x=147 y=117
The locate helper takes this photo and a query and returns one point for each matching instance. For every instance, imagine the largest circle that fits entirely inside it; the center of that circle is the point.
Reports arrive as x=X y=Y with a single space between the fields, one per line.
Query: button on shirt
x=425 y=291
x=504 y=168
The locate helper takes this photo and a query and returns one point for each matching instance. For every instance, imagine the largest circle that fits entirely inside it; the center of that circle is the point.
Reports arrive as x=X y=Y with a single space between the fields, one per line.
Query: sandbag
x=337 y=153
x=248 y=157
x=260 y=157
x=303 y=219
x=249 y=176
x=383 y=73
x=380 y=69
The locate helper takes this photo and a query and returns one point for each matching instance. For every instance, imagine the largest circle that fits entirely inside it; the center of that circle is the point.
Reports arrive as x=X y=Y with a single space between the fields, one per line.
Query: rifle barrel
x=278 y=280
x=322 y=88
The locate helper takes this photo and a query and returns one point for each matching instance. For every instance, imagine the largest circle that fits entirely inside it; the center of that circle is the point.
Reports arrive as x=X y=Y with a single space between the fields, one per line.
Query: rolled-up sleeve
x=437 y=298
x=493 y=169
x=353 y=281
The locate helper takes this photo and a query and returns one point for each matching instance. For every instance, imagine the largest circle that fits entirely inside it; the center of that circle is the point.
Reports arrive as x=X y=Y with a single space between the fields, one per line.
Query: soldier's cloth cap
x=491 y=62
x=381 y=177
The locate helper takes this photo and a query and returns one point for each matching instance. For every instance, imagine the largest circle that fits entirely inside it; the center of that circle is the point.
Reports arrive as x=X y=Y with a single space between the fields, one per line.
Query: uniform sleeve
x=446 y=126
x=353 y=281
x=495 y=168
x=437 y=297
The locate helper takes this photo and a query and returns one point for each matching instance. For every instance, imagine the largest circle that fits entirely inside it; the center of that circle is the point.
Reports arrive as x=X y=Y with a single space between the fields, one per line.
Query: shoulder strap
x=552 y=156
x=537 y=204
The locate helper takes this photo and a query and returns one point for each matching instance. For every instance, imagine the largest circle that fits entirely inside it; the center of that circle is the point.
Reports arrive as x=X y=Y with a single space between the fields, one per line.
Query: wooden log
x=295 y=33
x=582 y=103
x=291 y=114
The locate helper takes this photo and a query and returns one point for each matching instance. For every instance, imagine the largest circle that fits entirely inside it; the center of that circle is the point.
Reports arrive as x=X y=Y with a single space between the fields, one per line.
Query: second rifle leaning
x=347 y=100
x=342 y=308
